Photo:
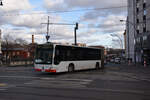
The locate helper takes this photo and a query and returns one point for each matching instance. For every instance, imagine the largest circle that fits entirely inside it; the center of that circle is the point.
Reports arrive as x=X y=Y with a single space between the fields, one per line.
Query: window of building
x=144 y=29
x=138 y=27
x=144 y=25
x=145 y=12
x=137 y=31
x=137 y=20
x=138 y=5
x=141 y=40
x=18 y=53
x=137 y=10
x=144 y=38
x=13 y=53
x=137 y=0
x=138 y=40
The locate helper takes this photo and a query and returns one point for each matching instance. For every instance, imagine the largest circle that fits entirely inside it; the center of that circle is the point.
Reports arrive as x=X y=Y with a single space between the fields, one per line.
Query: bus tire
x=97 y=66
x=71 y=68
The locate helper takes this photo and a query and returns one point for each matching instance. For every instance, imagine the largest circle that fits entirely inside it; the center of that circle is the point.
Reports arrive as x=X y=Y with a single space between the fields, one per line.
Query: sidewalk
x=138 y=72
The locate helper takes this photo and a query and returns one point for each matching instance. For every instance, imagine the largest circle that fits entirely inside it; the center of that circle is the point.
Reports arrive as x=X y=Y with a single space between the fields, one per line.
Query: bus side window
x=57 y=57
x=57 y=52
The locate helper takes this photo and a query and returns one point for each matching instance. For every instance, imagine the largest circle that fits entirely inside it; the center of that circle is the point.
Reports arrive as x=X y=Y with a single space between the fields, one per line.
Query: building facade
x=138 y=30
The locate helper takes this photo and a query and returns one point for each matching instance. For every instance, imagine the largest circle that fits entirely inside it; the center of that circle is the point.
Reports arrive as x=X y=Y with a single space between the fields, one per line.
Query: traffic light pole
x=75 y=34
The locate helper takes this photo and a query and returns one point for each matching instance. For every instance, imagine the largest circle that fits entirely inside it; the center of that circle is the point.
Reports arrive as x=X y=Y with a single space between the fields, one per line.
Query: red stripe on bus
x=50 y=70
x=39 y=70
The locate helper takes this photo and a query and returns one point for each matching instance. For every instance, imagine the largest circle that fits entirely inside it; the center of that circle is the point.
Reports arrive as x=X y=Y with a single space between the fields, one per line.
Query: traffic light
x=47 y=37
x=1 y=3
x=76 y=25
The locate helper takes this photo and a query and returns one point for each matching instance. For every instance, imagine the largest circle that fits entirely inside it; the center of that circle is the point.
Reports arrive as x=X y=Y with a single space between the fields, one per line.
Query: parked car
x=117 y=60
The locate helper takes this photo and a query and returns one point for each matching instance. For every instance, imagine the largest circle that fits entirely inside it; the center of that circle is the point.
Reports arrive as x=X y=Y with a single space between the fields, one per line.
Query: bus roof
x=69 y=45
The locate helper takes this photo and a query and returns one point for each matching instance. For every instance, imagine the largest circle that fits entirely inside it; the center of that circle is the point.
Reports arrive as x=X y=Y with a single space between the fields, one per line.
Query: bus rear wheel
x=71 y=68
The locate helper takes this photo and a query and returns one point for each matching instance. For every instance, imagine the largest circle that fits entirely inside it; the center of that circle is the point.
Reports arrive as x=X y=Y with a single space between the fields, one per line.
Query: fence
x=16 y=61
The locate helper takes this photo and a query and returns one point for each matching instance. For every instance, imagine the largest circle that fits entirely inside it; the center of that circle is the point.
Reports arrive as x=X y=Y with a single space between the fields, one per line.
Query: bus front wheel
x=71 y=68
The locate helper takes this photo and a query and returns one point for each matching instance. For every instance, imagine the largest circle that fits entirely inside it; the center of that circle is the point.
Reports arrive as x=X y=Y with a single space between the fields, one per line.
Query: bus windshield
x=44 y=55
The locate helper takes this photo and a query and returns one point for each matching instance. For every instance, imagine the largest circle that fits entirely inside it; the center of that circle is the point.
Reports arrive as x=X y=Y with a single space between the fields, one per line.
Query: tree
x=118 y=40
x=20 y=41
x=9 y=43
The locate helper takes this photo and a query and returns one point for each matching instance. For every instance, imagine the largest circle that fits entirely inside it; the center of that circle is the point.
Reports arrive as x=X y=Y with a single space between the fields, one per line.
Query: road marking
x=2 y=84
x=61 y=83
x=47 y=78
x=85 y=80
x=3 y=89
x=28 y=83
x=131 y=76
x=113 y=90
x=134 y=77
x=22 y=77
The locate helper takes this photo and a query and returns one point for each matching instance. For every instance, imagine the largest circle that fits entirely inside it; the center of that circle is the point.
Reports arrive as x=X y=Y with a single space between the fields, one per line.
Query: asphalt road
x=116 y=82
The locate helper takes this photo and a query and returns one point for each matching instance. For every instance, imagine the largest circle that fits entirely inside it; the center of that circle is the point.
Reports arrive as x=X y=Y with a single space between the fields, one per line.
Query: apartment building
x=138 y=30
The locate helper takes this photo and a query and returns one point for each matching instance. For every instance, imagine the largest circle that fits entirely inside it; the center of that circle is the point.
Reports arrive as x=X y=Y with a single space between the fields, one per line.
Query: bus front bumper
x=46 y=70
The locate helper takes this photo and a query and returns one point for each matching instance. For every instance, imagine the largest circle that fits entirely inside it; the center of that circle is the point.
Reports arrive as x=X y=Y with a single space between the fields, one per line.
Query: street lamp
x=128 y=22
x=121 y=41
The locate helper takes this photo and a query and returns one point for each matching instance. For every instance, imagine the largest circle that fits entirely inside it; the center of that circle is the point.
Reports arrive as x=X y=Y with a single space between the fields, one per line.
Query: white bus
x=51 y=57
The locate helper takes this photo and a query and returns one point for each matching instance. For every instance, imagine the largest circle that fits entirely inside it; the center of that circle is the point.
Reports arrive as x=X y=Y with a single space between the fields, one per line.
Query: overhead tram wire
x=65 y=11
x=79 y=10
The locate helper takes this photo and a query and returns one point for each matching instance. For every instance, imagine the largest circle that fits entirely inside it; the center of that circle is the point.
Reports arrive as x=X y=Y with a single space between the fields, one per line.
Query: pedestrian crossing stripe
x=2 y=84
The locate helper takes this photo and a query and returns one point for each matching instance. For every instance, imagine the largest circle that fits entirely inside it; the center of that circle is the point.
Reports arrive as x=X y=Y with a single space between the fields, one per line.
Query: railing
x=16 y=62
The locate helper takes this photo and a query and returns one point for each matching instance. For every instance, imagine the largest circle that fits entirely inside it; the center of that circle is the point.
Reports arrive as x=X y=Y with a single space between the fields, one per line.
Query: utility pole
x=47 y=36
x=75 y=29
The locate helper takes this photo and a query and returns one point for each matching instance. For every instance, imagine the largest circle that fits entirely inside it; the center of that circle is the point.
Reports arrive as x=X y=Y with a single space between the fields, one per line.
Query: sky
x=97 y=19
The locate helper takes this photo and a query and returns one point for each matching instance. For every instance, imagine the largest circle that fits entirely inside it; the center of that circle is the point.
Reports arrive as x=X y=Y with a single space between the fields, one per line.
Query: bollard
x=129 y=62
x=144 y=63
